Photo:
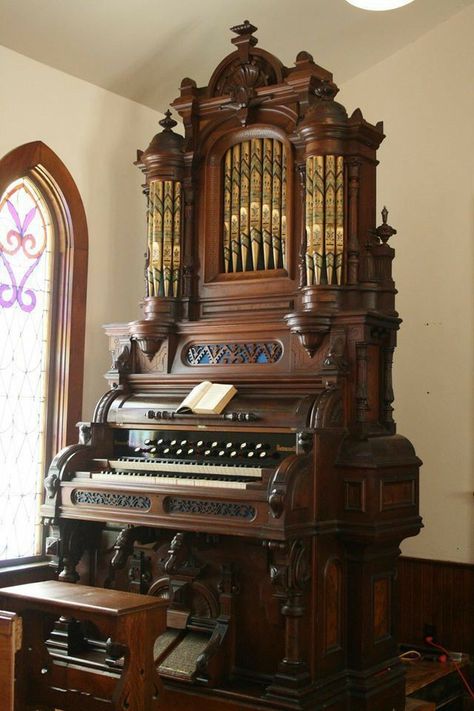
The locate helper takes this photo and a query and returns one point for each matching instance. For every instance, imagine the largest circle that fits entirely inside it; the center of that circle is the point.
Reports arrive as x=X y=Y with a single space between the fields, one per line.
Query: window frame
x=37 y=162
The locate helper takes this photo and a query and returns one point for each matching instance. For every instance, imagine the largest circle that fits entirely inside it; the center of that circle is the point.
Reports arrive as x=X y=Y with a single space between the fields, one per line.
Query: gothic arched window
x=43 y=262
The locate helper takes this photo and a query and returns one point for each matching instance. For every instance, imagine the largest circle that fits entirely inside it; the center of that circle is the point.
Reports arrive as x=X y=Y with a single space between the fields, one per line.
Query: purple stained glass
x=25 y=305
x=22 y=245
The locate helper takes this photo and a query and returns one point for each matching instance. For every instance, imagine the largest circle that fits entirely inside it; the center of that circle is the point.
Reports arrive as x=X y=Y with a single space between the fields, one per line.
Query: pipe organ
x=272 y=528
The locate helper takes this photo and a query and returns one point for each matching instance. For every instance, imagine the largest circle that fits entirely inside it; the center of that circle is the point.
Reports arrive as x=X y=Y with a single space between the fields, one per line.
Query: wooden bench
x=10 y=642
x=70 y=681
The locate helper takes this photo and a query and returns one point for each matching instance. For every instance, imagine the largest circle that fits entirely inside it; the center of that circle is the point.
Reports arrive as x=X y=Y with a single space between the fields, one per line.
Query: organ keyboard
x=273 y=528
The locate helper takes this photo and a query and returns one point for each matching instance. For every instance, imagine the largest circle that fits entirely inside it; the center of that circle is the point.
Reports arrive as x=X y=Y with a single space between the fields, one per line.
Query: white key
x=185 y=467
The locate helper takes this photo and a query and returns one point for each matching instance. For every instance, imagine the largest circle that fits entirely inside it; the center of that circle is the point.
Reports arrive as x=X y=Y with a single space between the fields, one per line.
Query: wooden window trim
x=37 y=162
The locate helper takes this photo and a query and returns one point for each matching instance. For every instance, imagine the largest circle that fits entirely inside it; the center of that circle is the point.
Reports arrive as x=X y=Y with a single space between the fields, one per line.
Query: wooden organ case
x=272 y=528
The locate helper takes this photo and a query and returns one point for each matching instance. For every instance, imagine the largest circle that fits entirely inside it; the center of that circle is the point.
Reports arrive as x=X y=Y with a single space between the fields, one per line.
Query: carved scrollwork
x=177 y=553
x=103 y=406
x=121 y=357
x=289 y=566
x=328 y=411
x=276 y=501
x=335 y=360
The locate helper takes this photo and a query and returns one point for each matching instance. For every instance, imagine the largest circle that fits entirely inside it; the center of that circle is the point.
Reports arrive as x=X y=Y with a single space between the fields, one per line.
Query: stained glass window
x=26 y=264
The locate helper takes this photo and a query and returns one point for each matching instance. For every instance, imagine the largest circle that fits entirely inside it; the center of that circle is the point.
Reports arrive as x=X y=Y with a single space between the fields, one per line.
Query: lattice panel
x=25 y=300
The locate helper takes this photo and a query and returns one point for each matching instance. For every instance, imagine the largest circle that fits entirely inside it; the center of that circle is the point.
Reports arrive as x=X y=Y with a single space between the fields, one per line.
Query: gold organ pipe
x=176 y=237
x=267 y=200
x=339 y=217
x=235 y=208
x=227 y=208
x=244 y=203
x=167 y=236
x=330 y=217
x=283 y=212
x=255 y=200
x=318 y=217
x=157 y=252
x=309 y=221
x=149 y=267
x=276 y=204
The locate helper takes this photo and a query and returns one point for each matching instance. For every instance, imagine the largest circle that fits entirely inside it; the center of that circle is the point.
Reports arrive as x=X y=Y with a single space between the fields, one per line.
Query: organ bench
x=117 y=674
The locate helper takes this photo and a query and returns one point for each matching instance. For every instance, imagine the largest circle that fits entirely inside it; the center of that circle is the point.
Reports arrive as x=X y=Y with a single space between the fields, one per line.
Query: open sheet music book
x=207 y=398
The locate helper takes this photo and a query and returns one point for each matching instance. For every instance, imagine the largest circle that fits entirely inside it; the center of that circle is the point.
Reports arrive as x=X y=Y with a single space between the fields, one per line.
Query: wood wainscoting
x=438 y=593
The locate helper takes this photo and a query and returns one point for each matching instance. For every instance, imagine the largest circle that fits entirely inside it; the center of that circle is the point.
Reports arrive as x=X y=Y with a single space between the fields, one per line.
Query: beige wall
x=96 y=134
x=425 y=95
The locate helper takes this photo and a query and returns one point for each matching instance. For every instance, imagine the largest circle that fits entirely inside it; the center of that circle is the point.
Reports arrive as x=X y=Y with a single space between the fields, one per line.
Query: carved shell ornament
x=242 y=79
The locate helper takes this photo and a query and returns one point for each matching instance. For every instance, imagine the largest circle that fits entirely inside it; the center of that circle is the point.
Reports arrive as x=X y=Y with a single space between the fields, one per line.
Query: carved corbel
x=310 y=328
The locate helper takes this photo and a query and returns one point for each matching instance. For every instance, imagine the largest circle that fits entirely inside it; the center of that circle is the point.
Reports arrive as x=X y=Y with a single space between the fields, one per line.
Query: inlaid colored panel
x=354 y=495
x=233 y=353
x=381 y=608
x=333 y=605
x=397 y=494
x=255 y=195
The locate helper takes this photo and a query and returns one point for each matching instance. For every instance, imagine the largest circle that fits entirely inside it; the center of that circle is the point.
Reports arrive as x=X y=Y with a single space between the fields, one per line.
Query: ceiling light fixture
x=379 y=4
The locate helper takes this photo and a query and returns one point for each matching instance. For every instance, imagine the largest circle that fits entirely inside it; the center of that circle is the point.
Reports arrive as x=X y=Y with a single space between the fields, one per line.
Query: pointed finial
x=168 y=123
x=385 y=231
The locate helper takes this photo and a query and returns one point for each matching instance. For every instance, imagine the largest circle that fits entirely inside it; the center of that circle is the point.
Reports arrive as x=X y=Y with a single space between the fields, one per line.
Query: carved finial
x=168 y=123
x=385 y=231
x=245 y=39
x=246 y=28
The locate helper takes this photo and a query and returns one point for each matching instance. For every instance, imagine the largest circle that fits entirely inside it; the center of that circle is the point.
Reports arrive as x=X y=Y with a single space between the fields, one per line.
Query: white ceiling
x=142 y=49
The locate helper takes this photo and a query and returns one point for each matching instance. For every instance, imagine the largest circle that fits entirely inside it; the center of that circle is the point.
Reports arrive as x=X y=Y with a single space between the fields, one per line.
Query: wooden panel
x=354 y=495
x=333 y=605
x=439 y=593
x=381 y=608
x=396 y=494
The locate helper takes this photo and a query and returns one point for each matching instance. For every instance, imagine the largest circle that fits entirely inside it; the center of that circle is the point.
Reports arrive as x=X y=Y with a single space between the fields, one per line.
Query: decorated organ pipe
x=255 y=200
x=254 y=206
x=324 y=207
x=164 y=238
x=163 y=165
x=244 y=203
